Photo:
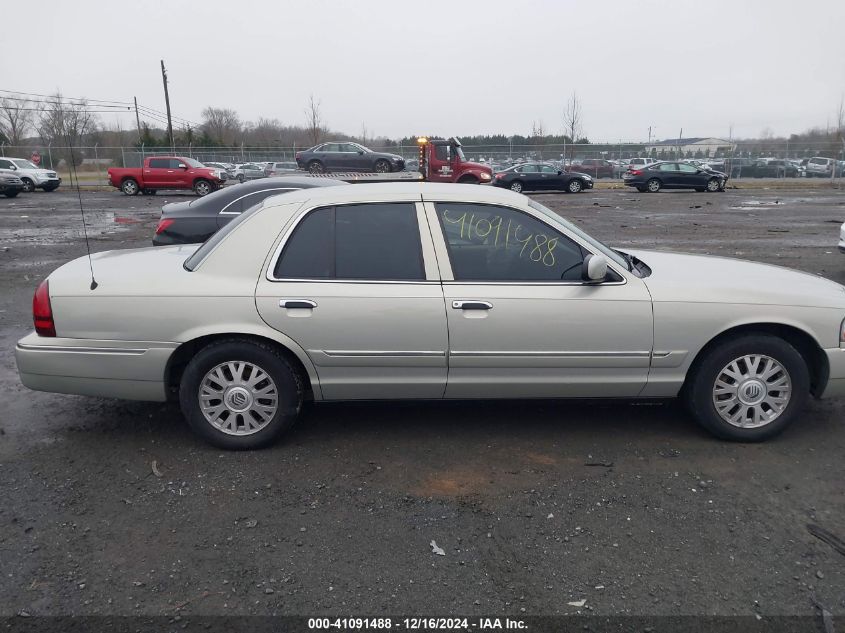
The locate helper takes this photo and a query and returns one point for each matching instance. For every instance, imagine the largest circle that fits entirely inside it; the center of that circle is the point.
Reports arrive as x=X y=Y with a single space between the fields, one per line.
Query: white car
x=430 y=291
x=33 y=176
x=842 y=239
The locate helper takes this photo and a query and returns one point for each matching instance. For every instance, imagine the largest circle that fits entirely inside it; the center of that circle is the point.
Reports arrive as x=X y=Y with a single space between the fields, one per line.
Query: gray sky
x=456 y=67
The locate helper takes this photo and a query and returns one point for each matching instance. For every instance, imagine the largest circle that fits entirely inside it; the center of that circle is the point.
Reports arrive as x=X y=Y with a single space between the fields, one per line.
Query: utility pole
x=167 y=103
x=137 y=119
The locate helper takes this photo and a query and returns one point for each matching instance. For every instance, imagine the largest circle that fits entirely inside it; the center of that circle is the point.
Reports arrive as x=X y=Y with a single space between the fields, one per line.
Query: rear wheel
x=316 y=167
x=574 y=186
x=653 y=185
x=382 y=166
x=202 y=188
x=516 y=186
x=130 y=187
x=239 y=394
x=11 y=193
x=749 y=388
x=240 y=178
x=713 y=185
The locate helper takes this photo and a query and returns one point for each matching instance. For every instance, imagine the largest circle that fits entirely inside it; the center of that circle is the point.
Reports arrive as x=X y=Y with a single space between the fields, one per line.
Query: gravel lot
x=629 y=506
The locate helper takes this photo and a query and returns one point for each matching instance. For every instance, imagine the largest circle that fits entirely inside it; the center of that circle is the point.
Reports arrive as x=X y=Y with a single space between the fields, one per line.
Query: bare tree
x=538 y=135
x=313 y=121
x=16 y=117
x=572 y=120
x=66 y=123
x=222 y=125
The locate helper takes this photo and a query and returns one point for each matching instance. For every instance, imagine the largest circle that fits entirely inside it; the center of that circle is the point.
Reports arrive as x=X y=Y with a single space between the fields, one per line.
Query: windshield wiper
x=629 y=259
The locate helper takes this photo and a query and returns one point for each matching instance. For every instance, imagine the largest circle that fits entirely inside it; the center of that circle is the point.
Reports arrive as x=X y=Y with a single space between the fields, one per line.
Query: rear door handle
x=298 y=303
x=471 y=305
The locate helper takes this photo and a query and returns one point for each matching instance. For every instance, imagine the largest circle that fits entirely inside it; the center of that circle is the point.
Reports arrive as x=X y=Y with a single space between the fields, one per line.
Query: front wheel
x=653 y=185
x=240 y=178
x=516 y=186
x=28 y=185
x=749 y=388
x=239 y=394
x=382 y=167
x=574 y=186
x=11 y=193
x=202 y=188
x=130 y=187
x=713 y=185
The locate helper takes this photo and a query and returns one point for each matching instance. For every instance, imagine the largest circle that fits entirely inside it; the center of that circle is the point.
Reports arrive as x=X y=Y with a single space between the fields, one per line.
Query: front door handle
x=471 y=305
x=298 y=303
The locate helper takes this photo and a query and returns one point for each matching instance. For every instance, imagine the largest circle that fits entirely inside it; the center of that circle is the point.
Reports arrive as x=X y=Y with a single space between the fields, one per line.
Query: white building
x=707 y=146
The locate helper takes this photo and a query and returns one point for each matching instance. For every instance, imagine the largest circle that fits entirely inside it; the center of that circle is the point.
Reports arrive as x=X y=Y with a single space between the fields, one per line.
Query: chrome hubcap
x=381 y=168
x=713 y=185
x=238 y=398
x=653 y=186
x=752 y=391
x=202 y=189
x=516 y=187
x=575 y=186
x=129 y=187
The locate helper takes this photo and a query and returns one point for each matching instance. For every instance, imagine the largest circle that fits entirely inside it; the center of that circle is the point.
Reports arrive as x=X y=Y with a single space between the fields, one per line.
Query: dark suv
x=343 y=156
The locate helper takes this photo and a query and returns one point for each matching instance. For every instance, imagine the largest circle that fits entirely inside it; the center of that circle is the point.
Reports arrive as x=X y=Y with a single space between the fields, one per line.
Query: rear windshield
x=211 y=243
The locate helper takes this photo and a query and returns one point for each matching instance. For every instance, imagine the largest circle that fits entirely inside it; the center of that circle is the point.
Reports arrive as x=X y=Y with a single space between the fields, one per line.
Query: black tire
x=382 y=166
x=12 y=193
x=130 y=187
x=713 y=185
x=240 y=178
x=202 y=187
x=28 y=185
x=575 y=186
x=316 y=167
x=653 y=185
x=288 y=385
x=699 y=392
x=516 y=186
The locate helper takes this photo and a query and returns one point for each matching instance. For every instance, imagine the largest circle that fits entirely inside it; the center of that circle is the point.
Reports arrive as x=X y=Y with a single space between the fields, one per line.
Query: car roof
x=233 y=192
x=405 y=190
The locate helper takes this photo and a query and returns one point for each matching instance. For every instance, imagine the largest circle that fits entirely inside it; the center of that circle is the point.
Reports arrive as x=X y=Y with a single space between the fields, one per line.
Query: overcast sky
x=450 y=67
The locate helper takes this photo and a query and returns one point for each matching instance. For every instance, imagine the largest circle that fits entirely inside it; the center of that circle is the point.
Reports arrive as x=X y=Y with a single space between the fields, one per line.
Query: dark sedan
x=194 y=221
x=669 y=175
x=542 y=177
x=342 y=157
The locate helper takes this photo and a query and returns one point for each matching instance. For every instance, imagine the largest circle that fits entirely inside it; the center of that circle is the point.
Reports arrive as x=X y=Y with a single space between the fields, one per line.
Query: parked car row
x=21 y=174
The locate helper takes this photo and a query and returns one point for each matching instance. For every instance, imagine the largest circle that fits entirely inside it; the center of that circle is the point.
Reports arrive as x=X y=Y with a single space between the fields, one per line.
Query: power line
x=59 y=96
x=84 y=110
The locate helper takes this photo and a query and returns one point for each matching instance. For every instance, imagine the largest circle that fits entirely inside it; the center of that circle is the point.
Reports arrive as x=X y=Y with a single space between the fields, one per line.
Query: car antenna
x=75 y=174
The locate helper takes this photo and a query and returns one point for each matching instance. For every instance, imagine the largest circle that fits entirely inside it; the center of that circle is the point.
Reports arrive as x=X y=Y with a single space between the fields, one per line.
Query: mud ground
x=338 y=519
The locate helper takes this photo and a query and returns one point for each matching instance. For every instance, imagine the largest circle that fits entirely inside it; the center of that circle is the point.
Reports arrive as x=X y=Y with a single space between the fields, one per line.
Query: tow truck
x=440 y=160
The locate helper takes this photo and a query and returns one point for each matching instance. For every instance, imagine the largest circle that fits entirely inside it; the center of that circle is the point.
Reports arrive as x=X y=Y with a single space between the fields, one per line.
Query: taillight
x=636 y=172
x=500 y=176
x=163 y=225
x=297 y=155
x=42 y=311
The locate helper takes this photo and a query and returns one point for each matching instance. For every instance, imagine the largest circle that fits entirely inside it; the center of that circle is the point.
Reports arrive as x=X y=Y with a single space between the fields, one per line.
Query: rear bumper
x=835 y=387
x=132 y=370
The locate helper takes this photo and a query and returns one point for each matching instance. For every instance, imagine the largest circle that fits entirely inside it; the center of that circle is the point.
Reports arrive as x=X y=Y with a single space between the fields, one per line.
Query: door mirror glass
x=594 y=268
x=182 y=166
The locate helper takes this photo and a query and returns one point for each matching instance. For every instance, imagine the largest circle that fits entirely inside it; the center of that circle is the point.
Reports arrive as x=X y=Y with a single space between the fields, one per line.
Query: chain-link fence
x=739 y=158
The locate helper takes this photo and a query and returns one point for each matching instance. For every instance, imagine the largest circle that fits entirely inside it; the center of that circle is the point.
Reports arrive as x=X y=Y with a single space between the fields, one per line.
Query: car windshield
x=460 y=153
x=193 y=163
x=24 y=164
x=604 y=250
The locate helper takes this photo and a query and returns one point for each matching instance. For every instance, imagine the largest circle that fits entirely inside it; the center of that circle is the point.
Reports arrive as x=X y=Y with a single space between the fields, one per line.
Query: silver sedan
x=430 y=291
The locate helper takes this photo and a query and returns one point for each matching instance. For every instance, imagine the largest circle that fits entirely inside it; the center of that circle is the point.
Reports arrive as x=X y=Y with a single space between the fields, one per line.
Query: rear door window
x=159 y=163
x=379 y=241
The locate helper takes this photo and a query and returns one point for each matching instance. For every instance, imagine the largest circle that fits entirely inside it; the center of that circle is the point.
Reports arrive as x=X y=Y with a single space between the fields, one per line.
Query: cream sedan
x=430 y=291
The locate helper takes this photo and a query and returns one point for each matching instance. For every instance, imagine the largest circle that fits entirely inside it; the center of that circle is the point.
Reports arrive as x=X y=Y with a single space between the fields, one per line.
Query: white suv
x=641 y=162
x=842 y=239
x=33 y=177
x=822 y=167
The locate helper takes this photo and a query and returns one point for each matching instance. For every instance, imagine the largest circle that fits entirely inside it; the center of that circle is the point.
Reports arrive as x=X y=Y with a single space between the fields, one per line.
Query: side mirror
x=361 y=152
x=559 y=172
x=594 y=269
x=182 y=166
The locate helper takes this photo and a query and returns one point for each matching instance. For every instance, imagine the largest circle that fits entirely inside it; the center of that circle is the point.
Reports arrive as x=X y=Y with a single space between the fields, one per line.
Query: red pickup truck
x=167 y=172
